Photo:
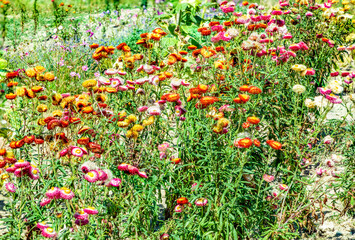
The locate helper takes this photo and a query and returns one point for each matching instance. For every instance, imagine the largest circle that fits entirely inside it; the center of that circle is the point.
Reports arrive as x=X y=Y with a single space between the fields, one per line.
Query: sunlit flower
x=49 y=233
x=328 y=140
x=44 y=202
x=309 y=103
x=53 y=193
x=92 y=176
x=283 y=187
x=298 y=89
x=10 y=187
x=268 y=178
x=115 y=182
x=200 y=202
x=91 y=210
x=66 y=193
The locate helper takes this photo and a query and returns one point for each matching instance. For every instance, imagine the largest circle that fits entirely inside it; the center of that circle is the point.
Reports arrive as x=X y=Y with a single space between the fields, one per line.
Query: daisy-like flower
x=200 y=202
x=44 y=202
x=163 y=147
x=142 y=108
x=328 y=140
x=10 y=187
x=142 y=174
x=81 y=215
x=154 y=110
x=164 y=236
x=53 y=193
x=111 y=71
x=268 y=178
x=102 y=175
x=66 y=193
x=92 y=176
x=49 y=233
x=33 y=173
x=91 y=210
x=133 y=170
x=283 y=187
x=42 y=225
x=78 y=151
x=81 y=222
x=299 y=89
x=123 y=167
x=115 y=182
x=178 y=208
x=22 y=164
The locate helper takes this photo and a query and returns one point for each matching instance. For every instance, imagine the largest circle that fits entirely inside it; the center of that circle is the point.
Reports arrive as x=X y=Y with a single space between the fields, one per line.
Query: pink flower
x=123 y=167
x=178 y=208
x=142 y=175
x=92 y=176
x=115 y=182
x=33 y=173
x=97 y=74
x=44 y=202
x=10 y=187
x=53 y=193
x=154 y=110
x=77 y=151
x=91 y=210
x=73 y=74
x=309 y=14
x=49 y=233
x=81 y=215
x=294 y=47
x=64 y=152
x=200 y=202
x=283 y=187
x=81 y=222
x=319 y=171
x=276 y=12
x=217 y=28
x=287 y=36
x=142 y=109
x=333 y=99
x=268 y=178
x=324 y=91
x=42 y=225
x=84 y=68
x=102 y=175
x=111 y=71
x=66 y=193
x=133 y=170
x=164 y=236
x=309 y=72
x=163 y=147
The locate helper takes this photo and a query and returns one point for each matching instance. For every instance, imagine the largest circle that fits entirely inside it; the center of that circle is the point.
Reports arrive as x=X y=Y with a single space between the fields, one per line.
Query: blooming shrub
x=204 y=137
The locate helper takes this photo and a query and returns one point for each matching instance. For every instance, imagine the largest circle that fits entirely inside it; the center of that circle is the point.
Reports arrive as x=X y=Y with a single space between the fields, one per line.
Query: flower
x=42 y=225
x=91 y=210
x=88 y=166
x=309 y=103
x=92 y=176
x=81 y=222
x=10 y=187
x=84 y=68
x=328 y=140
x=182 y=201
x=164 y=236
x=283 y=187
x=268 y=178
x=49 y=233
x=142 y=174
x=66 y=193
x=53 y=193
x=299 y=67
x=244 y=143
x=163 y=147
x=274 y=144
x=200 y=202
x=77 y=151
x=253 y=120
x=298 y=89
x=115 y=182
x=178 y=208
x=44 y=202
x=81 y=215
x=154 y=110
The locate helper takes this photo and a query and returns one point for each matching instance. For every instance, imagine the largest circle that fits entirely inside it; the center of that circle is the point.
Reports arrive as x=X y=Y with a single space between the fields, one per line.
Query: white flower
x=298 y=89
x=309 y=103
x=328 y=140
x=321 y=101
x=337 y=158
x=233 y=32
x=299 y=67
x=336 y=89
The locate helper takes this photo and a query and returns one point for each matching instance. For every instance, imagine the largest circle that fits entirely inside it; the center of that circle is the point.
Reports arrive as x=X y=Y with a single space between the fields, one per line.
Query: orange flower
x=245 y=143
x=29 y=139
x=244 y=88
x=30 y=72
x=12 y=74
x=182 y=201
x=49 y=76
x=246 y=125
x=88 y=109
x=206 y=32
x=244 y=97
x=173 y=97
x=211 y=24
x=10 y=96
x=245 y=3
x=94 y=45
x=183 y=53
x=2 y=152
x=37 y=89
x=228 y=24
x=203 y=88
x=207 y=100
x=253 y=120
x=274 y=144
x=83 y=141
x=12 y=84
x=237 y=100
x=176 y=160
x=257 y=142
x=192 y=47
x=159 y=31
x=254 y=90
x=39 y=69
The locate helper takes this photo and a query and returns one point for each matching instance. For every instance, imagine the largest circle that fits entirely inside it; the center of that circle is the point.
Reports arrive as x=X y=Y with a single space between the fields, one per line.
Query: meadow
x=177 y=119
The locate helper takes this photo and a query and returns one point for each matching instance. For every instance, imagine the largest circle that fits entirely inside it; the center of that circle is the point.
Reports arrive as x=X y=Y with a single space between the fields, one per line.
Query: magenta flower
x=283 y=187
x=178 y=208
x=142 y=109
x=81 y=222
x=44 y=202
x=84 y=68
x=49 y=233
x=81 y=215
x=142 y=174
x=42 y=225
x=10 y=187
x=200 y=202
x=163 y=147
x=66 y=193
x=268 y=178
x=92 y=176
x=53 y=193
x=91 y=210
x=115 y=182
x=164 y=236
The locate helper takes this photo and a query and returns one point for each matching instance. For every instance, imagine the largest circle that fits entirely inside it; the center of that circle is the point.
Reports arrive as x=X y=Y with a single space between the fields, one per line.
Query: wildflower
x=49 y=233
x=182 y=201
x=274 y=144
x=154 y=110
x=66 y=193
x=91 y=210
x=81 y=215
x=320 y=171
x=283 y=187
x=164 y=236
x=77 y=151
x=328 y=140
x=89 y=83
x=115 y=182
x=42 y=225
x=178 y=208
x=84 y=68
x=53 y=193
x=308 y=71
x=299 y=67
x=82 y=222
x=92 y=176
x=44 y=202
x=253 y=120
x=10 y=187
x=309 y=103
x=200 y=202
x=268 y=178
x=298 y=89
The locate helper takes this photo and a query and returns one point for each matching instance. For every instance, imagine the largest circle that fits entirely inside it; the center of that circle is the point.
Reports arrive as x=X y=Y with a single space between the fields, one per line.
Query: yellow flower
x=40 y=69
x=20 y=91
x=57 y=97
x=132 y=118
x=42 y=108
x=89 y=83
x=123 y=124
x=299 y=67
x=137 y=128
x=132 y=134
x=57 y=113
x=148 y=122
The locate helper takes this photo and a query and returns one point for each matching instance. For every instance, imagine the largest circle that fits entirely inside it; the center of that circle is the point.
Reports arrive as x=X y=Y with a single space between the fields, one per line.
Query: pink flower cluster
x=128 y=168
x=23 y=168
